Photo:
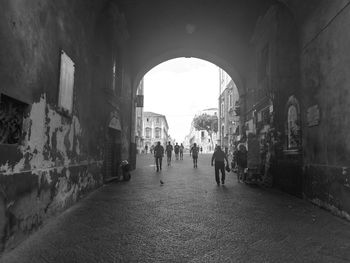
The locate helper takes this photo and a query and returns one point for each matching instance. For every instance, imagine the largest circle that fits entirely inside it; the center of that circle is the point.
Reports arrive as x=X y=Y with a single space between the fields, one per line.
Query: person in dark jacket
x=158 y=155
x=181 y=152
x=219 y=156
x=194 y=153
x=176 y=150
x=169 y=152
x=241 y=159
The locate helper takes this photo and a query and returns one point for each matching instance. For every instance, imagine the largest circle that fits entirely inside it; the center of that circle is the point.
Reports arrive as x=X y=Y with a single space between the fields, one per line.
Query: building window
x=158 y=133
x=148 y=133
x=66 y=85
x=202 y=134
x=222 y=109
x=265 y=115
x=139 y=122
x=157 y=120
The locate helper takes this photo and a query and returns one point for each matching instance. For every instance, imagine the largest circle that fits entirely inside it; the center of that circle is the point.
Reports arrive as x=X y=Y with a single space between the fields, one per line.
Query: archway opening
x=177 y=94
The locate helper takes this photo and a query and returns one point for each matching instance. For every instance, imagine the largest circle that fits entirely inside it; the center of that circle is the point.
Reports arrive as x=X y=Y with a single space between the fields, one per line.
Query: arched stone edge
x=204 y=55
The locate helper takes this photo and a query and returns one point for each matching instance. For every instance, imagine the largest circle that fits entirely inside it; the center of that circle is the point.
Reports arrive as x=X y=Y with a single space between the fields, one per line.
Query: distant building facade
x=228 y=112
x=155 y=129
x=202 y=138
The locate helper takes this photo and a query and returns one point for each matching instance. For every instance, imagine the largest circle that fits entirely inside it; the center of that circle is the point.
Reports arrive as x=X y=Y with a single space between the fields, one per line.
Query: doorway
x=113 y=153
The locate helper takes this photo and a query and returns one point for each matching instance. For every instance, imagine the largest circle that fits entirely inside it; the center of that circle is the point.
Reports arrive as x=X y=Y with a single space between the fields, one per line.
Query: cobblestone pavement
x=188 y=219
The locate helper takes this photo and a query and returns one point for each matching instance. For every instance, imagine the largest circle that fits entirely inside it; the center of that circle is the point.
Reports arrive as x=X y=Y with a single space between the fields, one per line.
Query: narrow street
x=187 y=219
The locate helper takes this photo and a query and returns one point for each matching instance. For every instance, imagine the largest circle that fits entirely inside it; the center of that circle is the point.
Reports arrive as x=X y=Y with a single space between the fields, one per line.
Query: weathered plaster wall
x=310 y=60
x=286 y=83
x=60 y=158
x=276 y=32
x=325 y=68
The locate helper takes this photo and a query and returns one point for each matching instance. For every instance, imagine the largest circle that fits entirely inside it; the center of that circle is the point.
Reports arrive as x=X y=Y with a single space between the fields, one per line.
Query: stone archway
x=195 y=53
x=198 y=54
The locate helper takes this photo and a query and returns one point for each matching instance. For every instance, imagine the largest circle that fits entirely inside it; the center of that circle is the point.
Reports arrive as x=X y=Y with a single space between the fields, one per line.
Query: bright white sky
x=180 y=88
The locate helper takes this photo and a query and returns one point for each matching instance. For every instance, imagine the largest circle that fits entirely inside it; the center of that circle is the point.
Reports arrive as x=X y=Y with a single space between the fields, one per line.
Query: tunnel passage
x=289 y=59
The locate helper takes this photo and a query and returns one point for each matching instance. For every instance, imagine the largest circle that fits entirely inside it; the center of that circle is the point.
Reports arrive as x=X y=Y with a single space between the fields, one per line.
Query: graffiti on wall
x=11 y=119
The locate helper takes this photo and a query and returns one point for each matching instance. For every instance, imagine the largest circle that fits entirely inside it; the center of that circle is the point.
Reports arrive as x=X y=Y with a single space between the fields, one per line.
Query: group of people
x=178 y=149
x=219 y=157
x=146 y=149
x=159 y=153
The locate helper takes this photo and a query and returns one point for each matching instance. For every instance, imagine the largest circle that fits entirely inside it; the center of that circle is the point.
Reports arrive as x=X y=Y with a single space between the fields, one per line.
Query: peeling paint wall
x=50 y=152
x=48 y=141
x=60 y=158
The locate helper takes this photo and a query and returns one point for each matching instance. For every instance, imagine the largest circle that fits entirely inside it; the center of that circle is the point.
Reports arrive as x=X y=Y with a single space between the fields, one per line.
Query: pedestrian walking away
x=241 y=160
x=194 y=153
x=177 y=150
x=181 y=152
x=219 y=157
x=169 y=151
x=158 y=155
x=146 y=149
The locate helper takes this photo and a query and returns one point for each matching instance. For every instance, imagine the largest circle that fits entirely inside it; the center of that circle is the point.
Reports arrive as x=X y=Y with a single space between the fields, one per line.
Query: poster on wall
x=114 y=122
x=66 y=85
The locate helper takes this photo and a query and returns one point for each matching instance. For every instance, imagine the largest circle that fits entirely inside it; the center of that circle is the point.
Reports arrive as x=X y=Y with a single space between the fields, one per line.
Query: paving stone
x=187 y=219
